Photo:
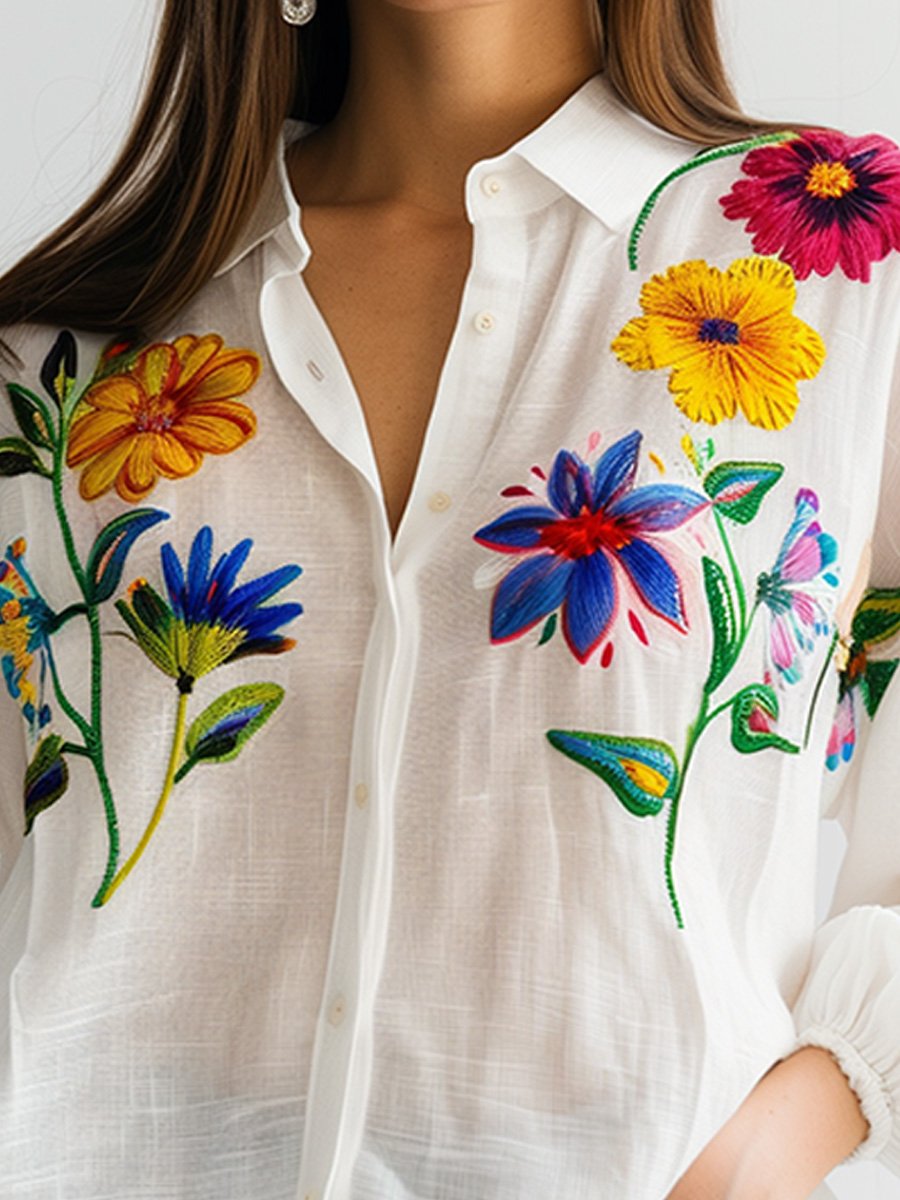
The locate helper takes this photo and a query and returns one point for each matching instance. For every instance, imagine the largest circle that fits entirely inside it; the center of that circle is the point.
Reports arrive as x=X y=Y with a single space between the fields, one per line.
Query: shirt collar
x=593 y=147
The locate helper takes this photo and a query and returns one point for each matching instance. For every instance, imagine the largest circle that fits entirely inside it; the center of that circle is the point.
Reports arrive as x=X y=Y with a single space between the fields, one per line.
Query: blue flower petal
x=615 y=470
x=261 y=622
x=518 y=529
x=655 y=581
x=590 y=604
x=174 y=577
x=256 y=591
x=658 y=506
x=198 y=574
x=530 y=591
x=221 y=581
x=569 y=487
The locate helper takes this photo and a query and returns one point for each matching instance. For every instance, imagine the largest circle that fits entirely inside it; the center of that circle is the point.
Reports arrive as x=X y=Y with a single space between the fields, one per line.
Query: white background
x=74 y=70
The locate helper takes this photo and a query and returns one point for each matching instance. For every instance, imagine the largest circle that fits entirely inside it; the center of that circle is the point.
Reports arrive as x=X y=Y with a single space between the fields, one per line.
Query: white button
x=438 y=501
x=361 y=794
x=337 y=1011
x=484 y=322
x=491 y=184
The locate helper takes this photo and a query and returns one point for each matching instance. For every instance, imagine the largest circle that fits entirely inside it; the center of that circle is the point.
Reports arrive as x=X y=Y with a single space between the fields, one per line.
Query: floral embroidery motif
x=791 y=590
x=25 y=624
x=127 y=420
x=820 y=201
x=646 y=774
x=864 y=677
x=158 y=412
x=207 y=620
x=598 y=522
x=730 y=339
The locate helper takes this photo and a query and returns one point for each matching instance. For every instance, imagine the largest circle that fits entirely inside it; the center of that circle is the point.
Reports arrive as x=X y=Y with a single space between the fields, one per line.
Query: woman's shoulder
x=824 y=201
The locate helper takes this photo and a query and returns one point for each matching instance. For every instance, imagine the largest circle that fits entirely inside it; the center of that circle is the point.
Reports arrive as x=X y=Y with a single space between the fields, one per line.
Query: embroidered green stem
x=735 y=573
x=161 y=803
x=705 y=717
x=698 y=160
x=92 y=731
x=815 y=696
x=63 y=700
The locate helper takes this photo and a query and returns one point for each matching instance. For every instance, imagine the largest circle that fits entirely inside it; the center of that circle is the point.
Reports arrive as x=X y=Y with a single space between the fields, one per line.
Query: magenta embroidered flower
x=598 y=521
x=821 y=200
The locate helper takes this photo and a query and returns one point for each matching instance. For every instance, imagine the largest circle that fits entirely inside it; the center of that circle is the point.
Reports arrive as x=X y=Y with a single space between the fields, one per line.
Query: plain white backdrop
x=74 y=71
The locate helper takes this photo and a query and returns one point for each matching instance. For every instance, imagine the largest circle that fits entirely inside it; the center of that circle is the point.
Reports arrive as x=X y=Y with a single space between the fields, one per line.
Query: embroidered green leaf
x=46 y=778
x=549 y=629
x=106 y=560
x=724 y=623
x=754 y=712
x=641 y=771
x=737 y=488
x=874 y=682
x=60 y=368
x=32 y=415
x=222 y=729
x=877 y=617
x=18 y=458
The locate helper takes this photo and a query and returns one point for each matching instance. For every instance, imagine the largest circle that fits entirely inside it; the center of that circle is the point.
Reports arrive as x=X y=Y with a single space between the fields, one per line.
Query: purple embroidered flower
x=599 y=524
x=794 y=590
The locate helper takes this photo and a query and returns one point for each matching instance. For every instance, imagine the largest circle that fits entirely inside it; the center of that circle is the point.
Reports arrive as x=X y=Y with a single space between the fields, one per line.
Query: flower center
x=578 y=537
x=718 y=329
x=154 y=417
x=830 y=180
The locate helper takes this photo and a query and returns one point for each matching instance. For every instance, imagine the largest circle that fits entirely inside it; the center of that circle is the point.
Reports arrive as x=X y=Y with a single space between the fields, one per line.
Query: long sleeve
x=850 y=1001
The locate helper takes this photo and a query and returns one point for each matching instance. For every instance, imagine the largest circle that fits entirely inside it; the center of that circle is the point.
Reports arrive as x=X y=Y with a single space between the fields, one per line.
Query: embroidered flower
x=730 y=338
x=793 y=590
x=25 y=622
x=207 y=620
x=865 y=671
x=822 y=200
x=173 y=405
x=599 y=522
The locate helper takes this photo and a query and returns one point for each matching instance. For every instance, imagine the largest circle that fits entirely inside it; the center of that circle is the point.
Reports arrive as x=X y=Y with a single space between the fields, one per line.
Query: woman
x=523 y=403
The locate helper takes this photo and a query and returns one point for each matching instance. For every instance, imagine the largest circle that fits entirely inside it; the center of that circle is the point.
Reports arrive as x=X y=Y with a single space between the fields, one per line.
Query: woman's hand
x=800 y=1121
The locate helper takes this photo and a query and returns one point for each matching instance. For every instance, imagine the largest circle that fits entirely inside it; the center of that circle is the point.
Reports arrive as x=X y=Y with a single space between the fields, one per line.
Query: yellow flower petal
x=118 y=393
x=95 y=432
x=216 y=428
x=172 y=457
x=233 y=374
x=100 y=473
x=138 y=473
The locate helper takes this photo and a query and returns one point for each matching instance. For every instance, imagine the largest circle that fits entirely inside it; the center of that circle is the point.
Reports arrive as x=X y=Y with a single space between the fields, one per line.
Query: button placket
x=344 y=1051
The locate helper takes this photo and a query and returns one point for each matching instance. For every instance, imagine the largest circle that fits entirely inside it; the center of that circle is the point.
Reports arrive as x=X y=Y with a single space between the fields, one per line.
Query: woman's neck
x=436 y=85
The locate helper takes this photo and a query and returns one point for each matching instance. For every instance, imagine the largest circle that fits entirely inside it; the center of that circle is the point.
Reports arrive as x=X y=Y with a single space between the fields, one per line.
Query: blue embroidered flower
x=25 y=624
x=599 y=521
x=208 y=620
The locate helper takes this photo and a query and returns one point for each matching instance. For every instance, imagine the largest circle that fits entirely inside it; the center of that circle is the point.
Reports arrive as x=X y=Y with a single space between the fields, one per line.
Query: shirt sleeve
x=849 y=1003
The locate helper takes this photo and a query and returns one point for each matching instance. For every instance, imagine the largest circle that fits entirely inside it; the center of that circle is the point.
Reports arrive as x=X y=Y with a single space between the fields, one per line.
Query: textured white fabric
x=403 y=946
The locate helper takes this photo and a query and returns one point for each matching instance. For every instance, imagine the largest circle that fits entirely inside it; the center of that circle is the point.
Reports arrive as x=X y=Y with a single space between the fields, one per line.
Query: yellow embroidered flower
x=172 y=406
x=730 y=337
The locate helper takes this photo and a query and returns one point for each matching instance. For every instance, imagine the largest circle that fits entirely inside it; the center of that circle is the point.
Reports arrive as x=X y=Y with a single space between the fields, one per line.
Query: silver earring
x=298 y=12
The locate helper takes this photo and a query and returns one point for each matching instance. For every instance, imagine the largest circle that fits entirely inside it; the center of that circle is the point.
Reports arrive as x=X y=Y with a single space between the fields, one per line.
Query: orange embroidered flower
x=173 y=405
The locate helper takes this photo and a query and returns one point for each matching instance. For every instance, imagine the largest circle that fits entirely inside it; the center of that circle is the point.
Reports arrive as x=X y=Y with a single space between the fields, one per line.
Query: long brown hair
x=221 y=80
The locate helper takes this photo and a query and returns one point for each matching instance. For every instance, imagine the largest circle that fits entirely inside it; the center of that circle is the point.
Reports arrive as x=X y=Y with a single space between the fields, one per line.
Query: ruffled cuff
x=850 y=1006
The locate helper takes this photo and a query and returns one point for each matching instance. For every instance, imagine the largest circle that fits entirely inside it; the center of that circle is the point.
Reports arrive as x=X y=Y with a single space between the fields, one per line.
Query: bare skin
x=435 y=86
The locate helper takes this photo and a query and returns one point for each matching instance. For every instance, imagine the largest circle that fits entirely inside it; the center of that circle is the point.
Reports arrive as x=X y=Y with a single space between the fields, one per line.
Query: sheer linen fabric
x=402 y=944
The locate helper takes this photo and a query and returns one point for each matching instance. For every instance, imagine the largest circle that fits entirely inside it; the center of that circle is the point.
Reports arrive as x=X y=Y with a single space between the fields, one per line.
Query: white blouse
x=480 y=863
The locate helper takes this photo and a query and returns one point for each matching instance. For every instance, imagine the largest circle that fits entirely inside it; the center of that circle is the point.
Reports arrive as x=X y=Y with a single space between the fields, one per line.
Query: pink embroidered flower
x=821 y=200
